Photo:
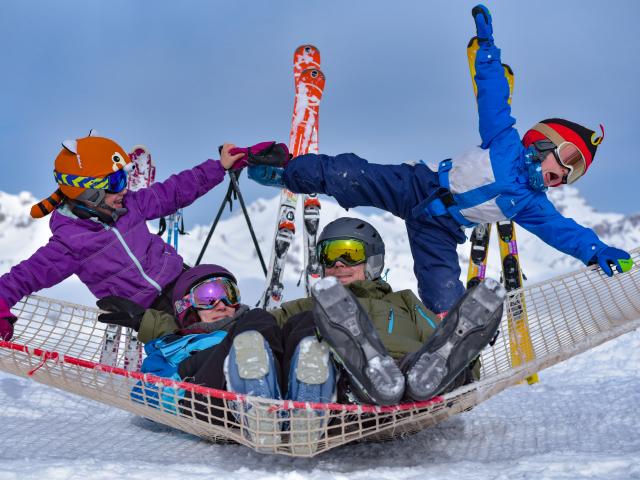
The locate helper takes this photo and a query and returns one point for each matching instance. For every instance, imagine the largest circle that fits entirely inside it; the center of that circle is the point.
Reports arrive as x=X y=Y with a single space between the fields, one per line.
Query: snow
x=581 y=421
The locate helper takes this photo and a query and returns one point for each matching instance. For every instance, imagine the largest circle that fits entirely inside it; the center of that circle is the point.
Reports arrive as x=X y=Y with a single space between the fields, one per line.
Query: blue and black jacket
x=164 y=354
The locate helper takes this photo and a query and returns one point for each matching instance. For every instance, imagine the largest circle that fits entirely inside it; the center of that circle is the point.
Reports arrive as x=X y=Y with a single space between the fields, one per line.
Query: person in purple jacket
x=99 y=229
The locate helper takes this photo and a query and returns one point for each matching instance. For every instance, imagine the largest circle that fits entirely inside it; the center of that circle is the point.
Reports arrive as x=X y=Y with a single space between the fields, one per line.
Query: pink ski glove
x=7 y=319
x=264 y=153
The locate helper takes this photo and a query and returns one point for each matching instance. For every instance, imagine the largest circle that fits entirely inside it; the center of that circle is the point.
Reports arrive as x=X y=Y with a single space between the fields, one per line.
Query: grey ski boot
x=355 y=344
x=468 y=327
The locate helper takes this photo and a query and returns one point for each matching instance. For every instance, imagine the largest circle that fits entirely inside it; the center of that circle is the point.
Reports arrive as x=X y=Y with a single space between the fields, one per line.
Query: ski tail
x=519 y=338
x=110 y=345
x=479 y=252
x=311 y=222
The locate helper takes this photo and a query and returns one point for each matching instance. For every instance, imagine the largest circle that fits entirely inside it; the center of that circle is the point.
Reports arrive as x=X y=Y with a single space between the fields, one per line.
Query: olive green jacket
x=402 y=321
x=156 y=324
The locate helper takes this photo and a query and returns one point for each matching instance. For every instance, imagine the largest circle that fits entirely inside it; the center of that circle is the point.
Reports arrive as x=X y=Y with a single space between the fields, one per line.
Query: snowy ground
x=581 y=421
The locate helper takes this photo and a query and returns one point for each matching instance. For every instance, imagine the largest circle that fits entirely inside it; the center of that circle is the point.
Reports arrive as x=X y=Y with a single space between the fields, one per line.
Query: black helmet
x=348 y=227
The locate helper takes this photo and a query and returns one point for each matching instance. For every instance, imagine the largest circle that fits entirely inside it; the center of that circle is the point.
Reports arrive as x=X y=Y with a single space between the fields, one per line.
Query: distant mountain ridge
x=231 y=244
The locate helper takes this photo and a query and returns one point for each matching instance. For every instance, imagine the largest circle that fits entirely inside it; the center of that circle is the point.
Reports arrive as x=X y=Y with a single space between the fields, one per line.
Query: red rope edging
x=46 y=355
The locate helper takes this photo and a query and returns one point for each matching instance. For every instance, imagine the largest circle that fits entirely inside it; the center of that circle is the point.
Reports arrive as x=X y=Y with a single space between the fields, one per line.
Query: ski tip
x=307 y=49
x=312 y=75
x=312 y=72
x=138 y=150
x=306 y=56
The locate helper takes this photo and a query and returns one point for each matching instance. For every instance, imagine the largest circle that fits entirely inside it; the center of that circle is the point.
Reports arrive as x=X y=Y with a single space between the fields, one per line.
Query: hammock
x=59 y=344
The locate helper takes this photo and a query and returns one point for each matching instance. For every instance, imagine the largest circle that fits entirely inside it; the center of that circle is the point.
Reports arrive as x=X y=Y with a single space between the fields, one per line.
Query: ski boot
x=468 y=327
x=250 y=369
x=312 y=379
x=355 y=344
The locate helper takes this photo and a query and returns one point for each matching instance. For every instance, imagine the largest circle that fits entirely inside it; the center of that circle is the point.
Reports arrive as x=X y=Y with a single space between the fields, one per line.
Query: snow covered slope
x=581 y=421
x=231 y=244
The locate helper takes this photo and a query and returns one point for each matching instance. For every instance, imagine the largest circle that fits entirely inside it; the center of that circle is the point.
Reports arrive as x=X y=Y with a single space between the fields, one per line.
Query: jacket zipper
x=424 y=315
x=391 y=321
x=151 y=281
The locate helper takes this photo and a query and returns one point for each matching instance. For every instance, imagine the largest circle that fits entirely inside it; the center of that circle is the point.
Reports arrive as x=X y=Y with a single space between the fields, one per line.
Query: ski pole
x=233 y=176
x=227 y=198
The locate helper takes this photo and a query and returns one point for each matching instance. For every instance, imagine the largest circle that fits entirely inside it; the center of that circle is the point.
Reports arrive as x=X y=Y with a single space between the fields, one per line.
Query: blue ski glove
x=611 y=256
x=267 y=175
x=484 y=29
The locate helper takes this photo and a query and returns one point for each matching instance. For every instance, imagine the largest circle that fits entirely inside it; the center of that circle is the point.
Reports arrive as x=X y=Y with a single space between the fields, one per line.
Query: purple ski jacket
x=123 y=259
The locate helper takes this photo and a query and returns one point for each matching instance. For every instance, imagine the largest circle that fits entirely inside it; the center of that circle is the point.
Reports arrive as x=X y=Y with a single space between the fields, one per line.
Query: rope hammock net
x=60 y=344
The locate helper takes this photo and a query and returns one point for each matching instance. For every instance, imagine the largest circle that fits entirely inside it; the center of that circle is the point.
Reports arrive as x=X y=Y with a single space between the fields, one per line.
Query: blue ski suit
x=486 y=184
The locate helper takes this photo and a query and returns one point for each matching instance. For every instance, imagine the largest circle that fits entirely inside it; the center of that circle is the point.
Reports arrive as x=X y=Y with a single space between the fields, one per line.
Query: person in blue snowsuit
x=503 y=178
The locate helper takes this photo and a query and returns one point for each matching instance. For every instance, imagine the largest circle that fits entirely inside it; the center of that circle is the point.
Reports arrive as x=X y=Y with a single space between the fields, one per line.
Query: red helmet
x=559 y=131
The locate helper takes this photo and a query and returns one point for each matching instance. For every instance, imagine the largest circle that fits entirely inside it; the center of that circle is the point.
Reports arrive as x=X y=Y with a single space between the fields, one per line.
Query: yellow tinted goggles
x=348 y=251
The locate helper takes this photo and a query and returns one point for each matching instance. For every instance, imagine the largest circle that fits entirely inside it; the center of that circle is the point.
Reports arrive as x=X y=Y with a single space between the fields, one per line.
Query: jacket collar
x=208 y=327
x=370 y=288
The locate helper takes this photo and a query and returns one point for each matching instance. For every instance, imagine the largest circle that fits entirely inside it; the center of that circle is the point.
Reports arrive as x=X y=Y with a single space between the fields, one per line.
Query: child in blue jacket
x=504 y=178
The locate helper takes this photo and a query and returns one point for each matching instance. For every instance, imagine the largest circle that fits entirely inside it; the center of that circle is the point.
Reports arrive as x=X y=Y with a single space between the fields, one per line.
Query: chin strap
x=84 y=211
x=534 y=169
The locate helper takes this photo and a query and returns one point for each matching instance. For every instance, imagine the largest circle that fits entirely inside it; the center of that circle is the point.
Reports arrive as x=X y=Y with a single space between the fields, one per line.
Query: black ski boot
x=468 y=327
x=355 y=344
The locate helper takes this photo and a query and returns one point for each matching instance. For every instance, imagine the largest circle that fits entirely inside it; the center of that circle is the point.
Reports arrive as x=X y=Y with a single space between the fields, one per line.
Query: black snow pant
x=206 y=367
x=294 y=330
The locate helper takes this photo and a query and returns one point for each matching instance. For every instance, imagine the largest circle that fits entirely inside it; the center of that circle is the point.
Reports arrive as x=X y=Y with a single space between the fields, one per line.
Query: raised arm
x=178 y=191
x=149 y=323
x=182 y=189
x=542 y=219
x=494 y=111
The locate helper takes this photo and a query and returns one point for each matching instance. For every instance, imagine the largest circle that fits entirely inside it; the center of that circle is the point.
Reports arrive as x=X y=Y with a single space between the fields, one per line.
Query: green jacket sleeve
x=156 y=324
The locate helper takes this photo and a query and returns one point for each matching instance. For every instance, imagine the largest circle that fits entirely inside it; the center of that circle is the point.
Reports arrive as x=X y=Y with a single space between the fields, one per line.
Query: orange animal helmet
x=81 y=165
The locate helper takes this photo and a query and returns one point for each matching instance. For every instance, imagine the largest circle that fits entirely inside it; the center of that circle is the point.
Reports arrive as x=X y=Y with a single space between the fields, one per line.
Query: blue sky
x=183 y=77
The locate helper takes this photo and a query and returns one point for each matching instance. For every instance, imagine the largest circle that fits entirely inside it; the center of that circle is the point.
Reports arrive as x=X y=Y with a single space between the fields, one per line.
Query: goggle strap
x=549 y=132
x=96 y=183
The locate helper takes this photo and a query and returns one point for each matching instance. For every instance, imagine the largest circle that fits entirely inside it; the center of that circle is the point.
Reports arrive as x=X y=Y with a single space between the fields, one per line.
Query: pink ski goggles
x=205 y=295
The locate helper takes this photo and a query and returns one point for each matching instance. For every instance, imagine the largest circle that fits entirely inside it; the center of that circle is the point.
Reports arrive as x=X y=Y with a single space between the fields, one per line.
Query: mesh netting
x=62 y=345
